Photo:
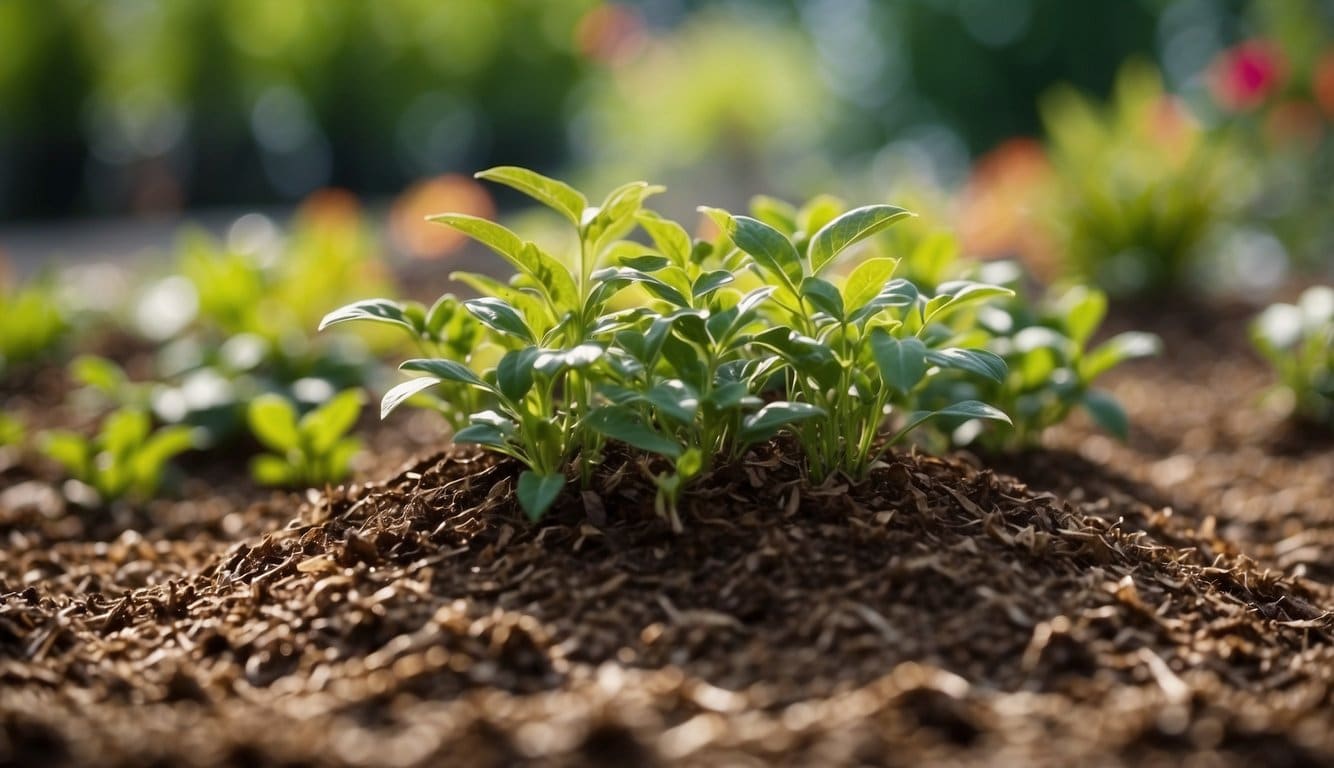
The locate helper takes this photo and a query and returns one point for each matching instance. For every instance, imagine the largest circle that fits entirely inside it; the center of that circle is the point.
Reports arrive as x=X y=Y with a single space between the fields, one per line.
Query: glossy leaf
x=977 y=361
x=373 y=310
x=501 y=318
x=623 y=424
x=400 y=393
x=866 y=281
x=1107 y=413
x=766 y=422
x=538 y=492
x=902 y=362
x=852 y=227
x=554 y=194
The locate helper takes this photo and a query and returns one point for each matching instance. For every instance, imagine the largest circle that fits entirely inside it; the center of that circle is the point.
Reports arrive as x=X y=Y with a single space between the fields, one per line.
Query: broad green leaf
x=673 y=398
x=550 y=362
x=98 y=372
x=902 y=362
x=538 y=492
x=501 y=318
x=823 y=296
x=978 y=361
x=767 y=421
x=866 y=281
x=621 y=423
x=1082 y=309
x=273 y=421
x=123 y=431
x=554 y=194
x=1116 y=350
x=530 y=305
x=267 y=469
x=1107 y=413
x=546 y=272
x=670 y=238
x=852 y=227
x=652 y=283
x=481 y=434
x=324 y=426
x=895 y=293
x=400 y=393
x=514 y=373
x=71 y=450
x=645 y=263
x=957 y=294
x=505 y=243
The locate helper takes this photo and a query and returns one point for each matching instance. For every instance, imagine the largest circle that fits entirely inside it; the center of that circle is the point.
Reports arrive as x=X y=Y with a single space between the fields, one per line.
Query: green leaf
x=324 y=426
x=554 y=194
x=968 y=409
x=401 y=393
x=373 y=310
x=501 y=318
x=668 y=237
x=675 y=399
x=124 y=431
x=767 y=421
x=823 y=296
x=770 y=249
x=99 y=373
x=867 y=280
x=620 y=423
x=550 y=362
x=538 y=492
x=1082 y=309
x=514 y=373
x=852 y=227
x=1116 y=350
x=546 y=272
x=1107 y=413
x=817 y=212
x=957 y=294
x=267 y=469
x=978 y=361
x=449 y=370
x=690 y=463
x=895 y=293
x=709 y=282
x=902 y=362
x=273 y=421
x=71 y=450
x=481 y=434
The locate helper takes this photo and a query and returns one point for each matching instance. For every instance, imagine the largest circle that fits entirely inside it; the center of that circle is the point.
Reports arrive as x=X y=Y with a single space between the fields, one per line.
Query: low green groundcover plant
x=1298 y=341
x=126 y=458
x=310 y=450
x=689 y=350
x=32 y=322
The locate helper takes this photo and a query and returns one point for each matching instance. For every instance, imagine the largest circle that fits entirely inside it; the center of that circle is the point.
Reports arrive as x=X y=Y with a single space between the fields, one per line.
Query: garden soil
x=1165 y=601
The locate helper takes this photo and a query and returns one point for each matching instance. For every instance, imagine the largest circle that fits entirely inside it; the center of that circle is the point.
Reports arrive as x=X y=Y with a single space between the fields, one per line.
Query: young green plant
x=1298 y=341
x=310 y=451
x=127 y=457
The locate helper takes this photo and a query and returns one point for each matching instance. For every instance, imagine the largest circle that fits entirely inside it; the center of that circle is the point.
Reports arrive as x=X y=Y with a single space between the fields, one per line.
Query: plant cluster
x=127 y=456
x=1052 y=364
x=692 y=350
x=310 y=450
x=32 y=322
x=1298 y=341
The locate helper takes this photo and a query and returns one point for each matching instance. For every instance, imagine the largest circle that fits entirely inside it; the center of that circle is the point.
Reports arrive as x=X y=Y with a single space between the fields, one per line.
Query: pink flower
x=1244 y=76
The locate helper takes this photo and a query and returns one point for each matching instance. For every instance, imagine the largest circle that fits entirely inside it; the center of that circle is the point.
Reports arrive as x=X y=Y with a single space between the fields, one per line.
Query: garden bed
x=1094 y=602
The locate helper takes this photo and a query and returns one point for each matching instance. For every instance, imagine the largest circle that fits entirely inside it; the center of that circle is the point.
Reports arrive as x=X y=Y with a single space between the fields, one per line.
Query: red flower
x=1324 y=83
x=1243 y=77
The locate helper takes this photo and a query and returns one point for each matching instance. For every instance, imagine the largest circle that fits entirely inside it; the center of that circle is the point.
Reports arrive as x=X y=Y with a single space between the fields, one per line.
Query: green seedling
x=1298 y=341
x=1052 y=368
x=310 y=451
x=127 y=457
x=858 y=348
x=32 y=323
x=12 y=432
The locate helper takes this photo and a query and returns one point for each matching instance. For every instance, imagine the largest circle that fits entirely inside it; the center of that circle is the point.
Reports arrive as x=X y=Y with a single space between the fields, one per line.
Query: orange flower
x=1323 y=83
x=449 y=193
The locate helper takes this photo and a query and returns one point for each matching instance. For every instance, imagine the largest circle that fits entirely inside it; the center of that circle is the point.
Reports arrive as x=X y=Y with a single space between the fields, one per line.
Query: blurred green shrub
x=1298 y=341
x=32 y=321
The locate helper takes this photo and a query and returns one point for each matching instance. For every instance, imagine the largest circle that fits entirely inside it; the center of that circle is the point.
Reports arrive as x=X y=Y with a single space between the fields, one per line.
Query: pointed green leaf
x=778 y=214
x=538 y=492
x=823 y=296
x=448 y=370
x=619 y=422
x=770 y=249
x=978 y=361
x=866 y=281
x=967 y=409
x=852 y=227
x=767 y=421
x=709 y=282
x=324 y=426
x=273 y=421
x=554 y=194
x=670 y=238
x=514 y=373
x=481 y=434
x=501 y=318
x=373 y=310
x=1116 y=350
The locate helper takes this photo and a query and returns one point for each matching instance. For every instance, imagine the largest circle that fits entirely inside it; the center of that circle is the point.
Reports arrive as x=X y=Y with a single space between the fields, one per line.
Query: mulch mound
x=937 y=613
x=1164 y=601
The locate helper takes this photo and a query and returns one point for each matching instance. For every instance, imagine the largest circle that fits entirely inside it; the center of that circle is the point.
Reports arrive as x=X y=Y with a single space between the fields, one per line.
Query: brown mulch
x=1107 y=608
